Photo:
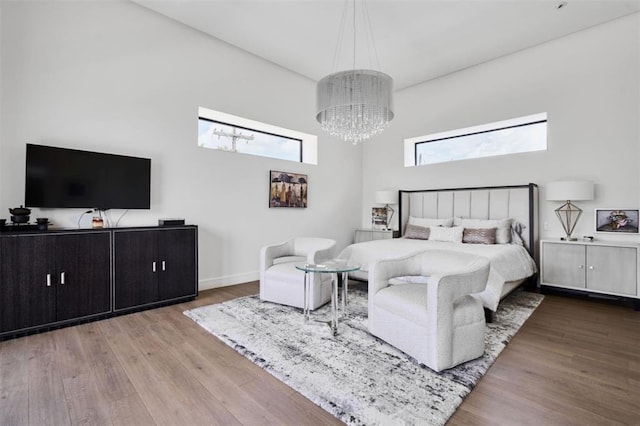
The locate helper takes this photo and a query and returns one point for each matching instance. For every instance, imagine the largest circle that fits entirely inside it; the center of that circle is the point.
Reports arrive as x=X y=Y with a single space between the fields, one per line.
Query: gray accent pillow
x=417 y=232
x=479 y=235
x=503 y=234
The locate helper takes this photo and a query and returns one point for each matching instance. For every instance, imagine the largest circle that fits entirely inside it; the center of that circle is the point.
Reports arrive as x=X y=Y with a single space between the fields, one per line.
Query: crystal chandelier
x=356 y=104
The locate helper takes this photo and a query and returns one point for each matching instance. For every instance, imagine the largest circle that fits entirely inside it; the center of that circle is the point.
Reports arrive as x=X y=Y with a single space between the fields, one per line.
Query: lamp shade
x=569 y=190
x=387 y=197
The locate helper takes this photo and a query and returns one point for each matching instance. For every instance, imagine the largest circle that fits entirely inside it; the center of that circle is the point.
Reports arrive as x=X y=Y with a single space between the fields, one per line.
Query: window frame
x=308 y=142
x=299 y=140
x=411 y=144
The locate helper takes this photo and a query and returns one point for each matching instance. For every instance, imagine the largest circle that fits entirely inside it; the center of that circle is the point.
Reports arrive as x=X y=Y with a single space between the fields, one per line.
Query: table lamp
x=569 y=213
x=386 y=198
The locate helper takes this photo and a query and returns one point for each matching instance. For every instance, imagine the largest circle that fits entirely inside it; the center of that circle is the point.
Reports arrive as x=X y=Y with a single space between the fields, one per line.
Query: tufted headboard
x=519 y=202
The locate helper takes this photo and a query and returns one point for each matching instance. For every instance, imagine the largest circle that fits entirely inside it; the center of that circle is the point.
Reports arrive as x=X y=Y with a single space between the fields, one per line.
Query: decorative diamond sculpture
x=568 y=214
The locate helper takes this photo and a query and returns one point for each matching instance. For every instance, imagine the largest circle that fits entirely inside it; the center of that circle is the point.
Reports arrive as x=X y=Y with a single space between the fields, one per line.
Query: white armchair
x=429 y=313
x=281 y=282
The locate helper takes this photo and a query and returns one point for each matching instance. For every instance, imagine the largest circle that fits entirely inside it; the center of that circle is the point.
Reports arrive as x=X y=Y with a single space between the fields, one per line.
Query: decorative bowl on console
x=20 y=219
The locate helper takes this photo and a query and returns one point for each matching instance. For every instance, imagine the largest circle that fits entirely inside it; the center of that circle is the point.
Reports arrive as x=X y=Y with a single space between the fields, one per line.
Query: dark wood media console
x=62 y=277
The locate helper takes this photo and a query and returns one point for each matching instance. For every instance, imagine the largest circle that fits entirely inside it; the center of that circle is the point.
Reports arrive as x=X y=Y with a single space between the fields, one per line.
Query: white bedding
x=509 y=262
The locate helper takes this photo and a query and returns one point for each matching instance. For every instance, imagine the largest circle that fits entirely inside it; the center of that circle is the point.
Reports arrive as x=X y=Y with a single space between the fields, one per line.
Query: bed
x=512 y=209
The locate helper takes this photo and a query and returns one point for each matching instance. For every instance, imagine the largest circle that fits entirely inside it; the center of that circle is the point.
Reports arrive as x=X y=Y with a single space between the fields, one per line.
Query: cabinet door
x=382 y=235
x=28 y=283
x=3 y=302
x=361 y=236
x=83 y=275
x=564 y=264
x=136 y=268
x=612 y=269
x=177 y=260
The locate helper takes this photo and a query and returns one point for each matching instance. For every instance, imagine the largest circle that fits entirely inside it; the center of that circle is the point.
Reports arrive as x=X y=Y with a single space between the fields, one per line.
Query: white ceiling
x=416 y=40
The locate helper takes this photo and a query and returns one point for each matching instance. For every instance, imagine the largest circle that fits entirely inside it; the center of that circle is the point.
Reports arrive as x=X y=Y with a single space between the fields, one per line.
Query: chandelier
x=356 y=104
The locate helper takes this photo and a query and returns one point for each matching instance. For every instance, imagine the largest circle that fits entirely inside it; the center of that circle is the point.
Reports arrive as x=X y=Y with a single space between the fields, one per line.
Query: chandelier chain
x=338 y=50
x=356 y=104
x=354 y=34
x=369 y=27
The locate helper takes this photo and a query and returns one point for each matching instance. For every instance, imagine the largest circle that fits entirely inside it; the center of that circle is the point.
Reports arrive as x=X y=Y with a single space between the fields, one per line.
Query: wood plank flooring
x=575 y=362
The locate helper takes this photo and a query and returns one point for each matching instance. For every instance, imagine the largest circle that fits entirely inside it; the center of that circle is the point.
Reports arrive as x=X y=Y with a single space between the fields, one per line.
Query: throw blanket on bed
x=509 y=262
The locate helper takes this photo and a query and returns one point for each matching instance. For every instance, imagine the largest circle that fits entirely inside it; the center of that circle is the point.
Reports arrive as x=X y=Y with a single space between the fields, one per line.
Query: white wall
x=112 y=76
x=115 y=77
x=587 y=82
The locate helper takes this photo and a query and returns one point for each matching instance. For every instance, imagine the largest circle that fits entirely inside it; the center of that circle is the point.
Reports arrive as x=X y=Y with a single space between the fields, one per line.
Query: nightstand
x=363 y=235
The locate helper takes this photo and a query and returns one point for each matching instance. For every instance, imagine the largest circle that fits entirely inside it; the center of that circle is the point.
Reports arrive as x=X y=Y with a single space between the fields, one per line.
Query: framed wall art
x=617 y=220
x=288 y=189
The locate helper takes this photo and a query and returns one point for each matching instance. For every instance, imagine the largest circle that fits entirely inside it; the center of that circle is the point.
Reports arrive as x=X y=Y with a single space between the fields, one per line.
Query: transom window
x=225 y=132
x=518 y=135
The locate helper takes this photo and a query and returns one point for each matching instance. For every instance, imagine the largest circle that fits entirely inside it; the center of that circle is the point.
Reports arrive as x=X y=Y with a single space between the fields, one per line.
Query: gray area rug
x=358 y=378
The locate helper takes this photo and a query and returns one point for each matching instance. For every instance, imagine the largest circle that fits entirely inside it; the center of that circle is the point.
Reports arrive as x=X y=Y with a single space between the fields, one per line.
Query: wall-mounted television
x=70 y=178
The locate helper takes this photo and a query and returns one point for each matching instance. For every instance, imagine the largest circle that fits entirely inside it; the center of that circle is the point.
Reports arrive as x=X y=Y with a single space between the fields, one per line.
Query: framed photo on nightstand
x=379 y=218
x=617 y=220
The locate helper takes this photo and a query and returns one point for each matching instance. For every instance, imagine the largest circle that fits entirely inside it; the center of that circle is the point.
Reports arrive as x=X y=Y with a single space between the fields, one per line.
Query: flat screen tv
x=70 y=178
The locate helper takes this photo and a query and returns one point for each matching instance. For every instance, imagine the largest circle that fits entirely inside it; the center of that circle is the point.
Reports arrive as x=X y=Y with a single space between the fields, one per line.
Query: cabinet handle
x=153 y=268
x=163 y=265
x=62 y=278
x=592 y=267
x=48 y=280
x=581 y=267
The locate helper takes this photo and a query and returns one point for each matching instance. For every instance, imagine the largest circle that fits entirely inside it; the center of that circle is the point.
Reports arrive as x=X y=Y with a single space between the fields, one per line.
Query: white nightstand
x=604 y=267
x=363 y=235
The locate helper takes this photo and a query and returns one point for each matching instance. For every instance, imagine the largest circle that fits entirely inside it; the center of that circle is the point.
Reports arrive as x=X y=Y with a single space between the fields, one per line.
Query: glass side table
x=333 y=267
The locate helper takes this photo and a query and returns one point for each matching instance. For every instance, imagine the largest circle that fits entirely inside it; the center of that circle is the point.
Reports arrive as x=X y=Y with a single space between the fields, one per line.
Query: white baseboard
x=228 y=280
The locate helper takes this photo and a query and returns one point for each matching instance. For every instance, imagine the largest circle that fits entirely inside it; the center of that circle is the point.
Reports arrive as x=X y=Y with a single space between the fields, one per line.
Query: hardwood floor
x=573 y=362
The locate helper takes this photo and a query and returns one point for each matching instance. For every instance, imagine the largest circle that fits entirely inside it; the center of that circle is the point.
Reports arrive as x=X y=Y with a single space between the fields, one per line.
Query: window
x=518 y=135
x=225 y=132
x=227 y=137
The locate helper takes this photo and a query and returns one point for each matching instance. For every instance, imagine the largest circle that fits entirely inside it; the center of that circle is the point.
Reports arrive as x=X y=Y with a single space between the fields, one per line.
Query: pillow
x=409 y=279
x=428 y=222
x=517 y=229
x=288 y=259
x=440 y=233
x=416 y=232
x=503 y=233
x=479 y=235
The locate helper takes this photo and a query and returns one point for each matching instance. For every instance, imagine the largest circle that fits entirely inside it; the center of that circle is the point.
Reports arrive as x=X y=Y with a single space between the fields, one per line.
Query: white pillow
x=517 y=229
x=409 y=279
x=503 y=233
x=426 y=222
x=440 y=233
